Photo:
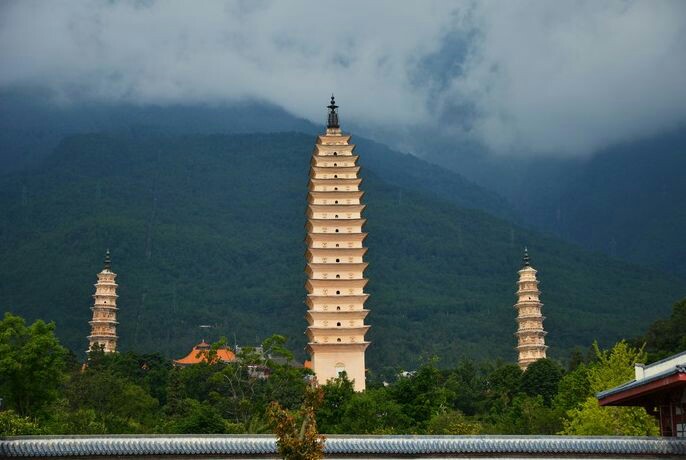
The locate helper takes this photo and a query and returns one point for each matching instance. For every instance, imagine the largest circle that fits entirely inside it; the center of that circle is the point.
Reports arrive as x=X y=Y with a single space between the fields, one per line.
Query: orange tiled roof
x=200 y=352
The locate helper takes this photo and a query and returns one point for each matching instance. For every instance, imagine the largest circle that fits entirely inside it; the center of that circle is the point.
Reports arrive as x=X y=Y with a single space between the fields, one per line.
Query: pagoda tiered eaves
x=313 y=301
x=349 y=211
x=338 y=172
x=344 y=161
x=104 y=321
x=316 y=183
x=335 y=256
x=330 y=197
x=530 y=333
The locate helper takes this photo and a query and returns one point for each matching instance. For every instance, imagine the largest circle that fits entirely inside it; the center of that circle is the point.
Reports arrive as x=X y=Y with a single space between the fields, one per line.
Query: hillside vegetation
x=209 y=229
x=627 y=200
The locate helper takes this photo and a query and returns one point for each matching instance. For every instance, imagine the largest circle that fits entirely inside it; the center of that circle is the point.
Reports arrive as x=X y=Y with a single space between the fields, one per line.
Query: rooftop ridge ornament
x=108 y=260
x=526 y=258
x=333 y=115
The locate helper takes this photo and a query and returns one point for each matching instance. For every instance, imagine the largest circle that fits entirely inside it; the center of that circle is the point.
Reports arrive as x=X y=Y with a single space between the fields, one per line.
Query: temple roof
x=350 y=446
x=650 y=380
x=200 y=352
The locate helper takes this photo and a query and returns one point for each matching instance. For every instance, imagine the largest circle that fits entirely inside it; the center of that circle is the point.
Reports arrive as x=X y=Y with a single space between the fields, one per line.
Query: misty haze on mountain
x=553 y=78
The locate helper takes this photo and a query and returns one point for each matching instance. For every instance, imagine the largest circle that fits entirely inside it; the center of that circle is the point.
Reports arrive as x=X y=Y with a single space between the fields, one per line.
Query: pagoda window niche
x=335 y=183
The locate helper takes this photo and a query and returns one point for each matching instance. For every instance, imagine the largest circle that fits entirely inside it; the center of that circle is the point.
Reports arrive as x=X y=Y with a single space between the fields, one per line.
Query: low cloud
x=545 y=77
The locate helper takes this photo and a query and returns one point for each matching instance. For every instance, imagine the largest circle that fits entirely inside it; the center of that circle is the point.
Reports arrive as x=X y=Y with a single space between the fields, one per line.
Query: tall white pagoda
x=530 y=334
x=104 y=323
x=335 y=259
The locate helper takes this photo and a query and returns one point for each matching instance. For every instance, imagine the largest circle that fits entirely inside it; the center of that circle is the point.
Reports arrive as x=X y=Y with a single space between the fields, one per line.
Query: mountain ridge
x=559 y=196
x=626 y=200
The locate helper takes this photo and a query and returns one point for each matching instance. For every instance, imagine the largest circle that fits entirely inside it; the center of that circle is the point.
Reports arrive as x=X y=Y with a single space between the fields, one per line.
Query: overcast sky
x=538 y=76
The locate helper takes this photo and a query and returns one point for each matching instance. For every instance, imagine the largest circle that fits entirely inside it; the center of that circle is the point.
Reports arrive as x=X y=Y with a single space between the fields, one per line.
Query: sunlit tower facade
x=335 y=259
x=104 y=322
x=530 y=333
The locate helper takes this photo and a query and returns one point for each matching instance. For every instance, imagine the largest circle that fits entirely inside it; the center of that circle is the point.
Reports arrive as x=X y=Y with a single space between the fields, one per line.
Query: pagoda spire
x=335 y=259
x=104 y=321
x=333 y=115
x=108 y=260
x=530 y=333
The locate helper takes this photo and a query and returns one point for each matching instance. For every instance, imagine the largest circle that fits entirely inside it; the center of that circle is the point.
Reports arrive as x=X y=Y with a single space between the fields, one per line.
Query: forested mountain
x=627 y=201
x=32 y=124
x=30 y=129
x=209 y=229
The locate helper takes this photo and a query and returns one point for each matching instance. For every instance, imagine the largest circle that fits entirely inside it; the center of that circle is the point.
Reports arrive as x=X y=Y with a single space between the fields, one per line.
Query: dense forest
x=631 y=195
x=47 y=390
x=625 y=201
x=209 y=230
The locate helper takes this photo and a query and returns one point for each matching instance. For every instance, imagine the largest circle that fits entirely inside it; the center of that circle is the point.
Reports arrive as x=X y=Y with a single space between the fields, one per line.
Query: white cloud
x=290 y=53
x=574 y=77
x=551 y=77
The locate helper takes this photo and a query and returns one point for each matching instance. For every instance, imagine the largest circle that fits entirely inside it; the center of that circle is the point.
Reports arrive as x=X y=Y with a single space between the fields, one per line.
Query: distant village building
x=530 y=334
x=201 y=353
x=660 y=388
x=257 y=371
x=335 y=265
x=104 y=322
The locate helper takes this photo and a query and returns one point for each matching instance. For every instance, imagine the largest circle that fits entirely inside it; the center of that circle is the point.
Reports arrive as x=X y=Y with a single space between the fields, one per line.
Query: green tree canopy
x=452 y=422
x=541 y=378
x=423 y=394
x=337 y=393
x=613 y=367
x=668 y=336
x=32 y=364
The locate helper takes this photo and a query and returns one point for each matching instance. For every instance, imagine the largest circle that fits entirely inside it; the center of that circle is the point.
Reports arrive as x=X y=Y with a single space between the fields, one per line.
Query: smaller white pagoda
x=530 y=334
x=104 y=323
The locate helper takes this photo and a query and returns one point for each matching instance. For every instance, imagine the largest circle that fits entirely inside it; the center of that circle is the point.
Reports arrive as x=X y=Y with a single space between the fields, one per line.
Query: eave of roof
x=264 y=446
x=636 y=388
x=198 y=355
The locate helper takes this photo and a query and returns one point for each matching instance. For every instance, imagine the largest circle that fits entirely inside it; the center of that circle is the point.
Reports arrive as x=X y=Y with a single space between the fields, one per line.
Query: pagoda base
x=329 y=360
